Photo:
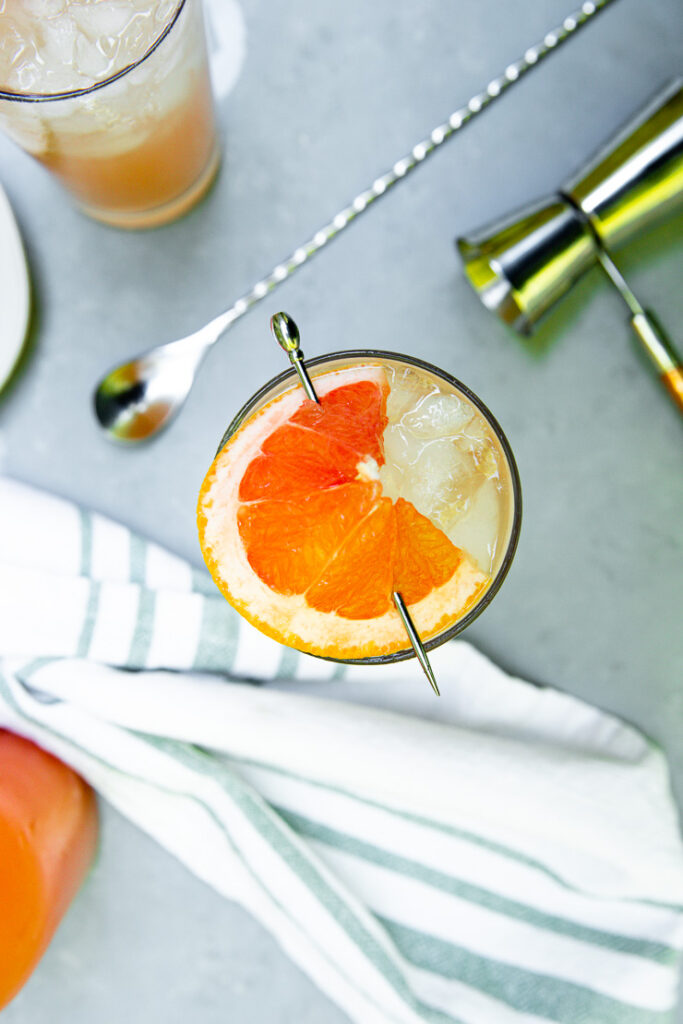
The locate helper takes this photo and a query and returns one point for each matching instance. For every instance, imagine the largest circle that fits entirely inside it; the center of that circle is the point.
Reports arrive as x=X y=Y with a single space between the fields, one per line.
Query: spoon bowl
x=137 y=399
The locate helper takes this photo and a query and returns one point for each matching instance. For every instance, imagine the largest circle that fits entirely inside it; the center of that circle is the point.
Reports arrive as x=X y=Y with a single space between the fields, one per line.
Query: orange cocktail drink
x=113 y=97
x=400 y=480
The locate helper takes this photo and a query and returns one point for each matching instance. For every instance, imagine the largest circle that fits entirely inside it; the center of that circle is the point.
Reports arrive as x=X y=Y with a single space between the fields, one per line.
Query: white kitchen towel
x=516 y=860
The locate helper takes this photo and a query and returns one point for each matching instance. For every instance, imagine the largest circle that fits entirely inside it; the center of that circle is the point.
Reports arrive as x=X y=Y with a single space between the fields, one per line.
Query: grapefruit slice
x=300 y=539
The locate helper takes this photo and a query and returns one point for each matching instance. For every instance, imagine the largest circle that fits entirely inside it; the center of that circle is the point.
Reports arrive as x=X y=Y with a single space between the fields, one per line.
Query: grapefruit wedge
x=300 y=539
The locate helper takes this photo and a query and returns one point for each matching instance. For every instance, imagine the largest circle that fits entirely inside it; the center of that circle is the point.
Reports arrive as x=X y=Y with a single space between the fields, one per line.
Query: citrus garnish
x=300 y=538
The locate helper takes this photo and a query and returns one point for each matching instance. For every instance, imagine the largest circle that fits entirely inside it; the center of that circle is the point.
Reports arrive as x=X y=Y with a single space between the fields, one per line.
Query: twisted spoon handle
x=458 y=119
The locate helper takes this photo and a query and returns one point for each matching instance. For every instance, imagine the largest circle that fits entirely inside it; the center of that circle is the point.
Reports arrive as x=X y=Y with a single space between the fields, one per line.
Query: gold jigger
x=522 y=265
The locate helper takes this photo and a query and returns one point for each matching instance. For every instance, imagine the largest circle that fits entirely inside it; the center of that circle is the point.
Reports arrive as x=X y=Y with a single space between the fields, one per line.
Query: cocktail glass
x=488 y=519
x=138 y=148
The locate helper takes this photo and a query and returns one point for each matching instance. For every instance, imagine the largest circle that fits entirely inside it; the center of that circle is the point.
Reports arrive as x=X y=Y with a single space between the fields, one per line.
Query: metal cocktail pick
x=287 y=335
x=415 y=641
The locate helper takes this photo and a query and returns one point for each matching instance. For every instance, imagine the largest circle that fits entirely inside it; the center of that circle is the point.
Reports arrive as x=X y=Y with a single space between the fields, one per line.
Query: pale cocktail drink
x=113 y=97
x=444 y=455
x=313 y=516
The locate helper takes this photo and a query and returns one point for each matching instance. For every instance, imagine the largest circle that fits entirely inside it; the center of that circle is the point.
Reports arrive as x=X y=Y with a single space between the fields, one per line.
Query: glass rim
x=516 y=487
x=48 y=97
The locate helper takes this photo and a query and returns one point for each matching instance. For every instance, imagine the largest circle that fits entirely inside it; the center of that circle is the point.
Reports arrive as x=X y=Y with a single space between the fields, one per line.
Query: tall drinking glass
x=114 y=98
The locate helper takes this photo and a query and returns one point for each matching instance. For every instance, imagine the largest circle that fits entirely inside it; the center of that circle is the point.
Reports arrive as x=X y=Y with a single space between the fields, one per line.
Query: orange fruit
x=48 y=833
x=300 y=539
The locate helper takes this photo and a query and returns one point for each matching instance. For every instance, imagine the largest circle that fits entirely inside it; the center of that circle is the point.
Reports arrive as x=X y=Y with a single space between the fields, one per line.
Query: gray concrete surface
x=330 y=96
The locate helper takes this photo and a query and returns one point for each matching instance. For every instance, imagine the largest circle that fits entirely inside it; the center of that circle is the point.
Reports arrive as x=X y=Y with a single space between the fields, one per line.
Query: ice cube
x=138 y=36
x=477 y=530
x=164 y=11
x=407 y=388
x=400 y=449
x=391 y=480
x=442 y=477
x=108 y=18
x=477 y=442
x=438 y=415
x=42 y=9
x=25 y=76
x=89 y=60
x=59 y=41
x=15 y=47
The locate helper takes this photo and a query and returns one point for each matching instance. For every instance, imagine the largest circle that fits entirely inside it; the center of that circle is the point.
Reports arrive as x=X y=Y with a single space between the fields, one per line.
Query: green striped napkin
x=515 y=862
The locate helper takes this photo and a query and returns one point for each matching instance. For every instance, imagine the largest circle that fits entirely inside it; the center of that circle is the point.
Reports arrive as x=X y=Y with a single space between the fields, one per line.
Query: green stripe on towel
x=203 y=584
x=656 y=951
x=558 y=1000
x=86 y=542
x=138 y=559
x=277 y=834
x=235 y=790
x=142 y=636
x=288 y=663
x=524 y=990
x=452 y=830
x=89 y=620
x=218 y=636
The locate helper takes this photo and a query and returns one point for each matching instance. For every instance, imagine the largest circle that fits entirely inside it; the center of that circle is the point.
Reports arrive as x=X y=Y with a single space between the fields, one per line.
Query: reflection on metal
x=415 y=642
x=657 y=346
x=521 y=265
x=287 y=336
x=637 y=178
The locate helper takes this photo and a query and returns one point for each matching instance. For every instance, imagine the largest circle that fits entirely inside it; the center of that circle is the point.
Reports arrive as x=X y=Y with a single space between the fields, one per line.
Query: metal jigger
x=522 y=265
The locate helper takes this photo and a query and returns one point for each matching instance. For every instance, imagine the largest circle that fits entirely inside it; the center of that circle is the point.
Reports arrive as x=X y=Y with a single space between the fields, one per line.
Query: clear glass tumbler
x=139 y=147
x=485 y=521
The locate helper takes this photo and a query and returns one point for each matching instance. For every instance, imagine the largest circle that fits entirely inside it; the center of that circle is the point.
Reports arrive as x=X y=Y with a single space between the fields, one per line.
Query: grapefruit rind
x=288 y=618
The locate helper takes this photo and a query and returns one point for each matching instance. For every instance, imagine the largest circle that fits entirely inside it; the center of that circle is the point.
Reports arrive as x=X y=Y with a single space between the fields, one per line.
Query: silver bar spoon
x=137 y=399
